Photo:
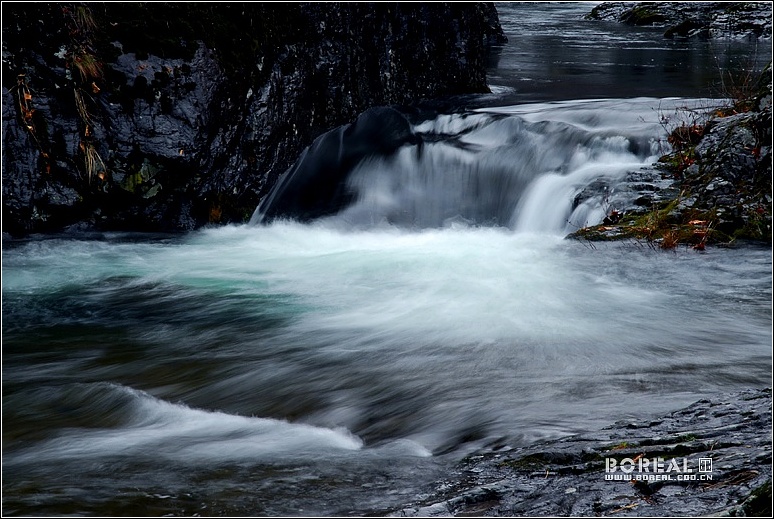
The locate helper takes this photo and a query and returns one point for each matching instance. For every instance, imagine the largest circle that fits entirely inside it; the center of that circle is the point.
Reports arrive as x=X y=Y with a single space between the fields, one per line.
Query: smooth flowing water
x=340 y=366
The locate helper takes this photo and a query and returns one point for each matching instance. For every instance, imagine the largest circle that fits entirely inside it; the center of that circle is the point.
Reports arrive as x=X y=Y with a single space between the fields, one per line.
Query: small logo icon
x=705 y=464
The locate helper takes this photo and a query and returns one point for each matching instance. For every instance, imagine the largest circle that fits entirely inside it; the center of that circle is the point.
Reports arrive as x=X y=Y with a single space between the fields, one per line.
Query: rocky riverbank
x=566 y=477
x=154 y=116
x=714 y=186
x=686 y=20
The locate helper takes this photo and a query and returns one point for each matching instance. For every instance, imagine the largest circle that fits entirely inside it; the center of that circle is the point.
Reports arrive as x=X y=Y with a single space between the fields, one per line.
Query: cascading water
x=407 y=298
x=521 y=167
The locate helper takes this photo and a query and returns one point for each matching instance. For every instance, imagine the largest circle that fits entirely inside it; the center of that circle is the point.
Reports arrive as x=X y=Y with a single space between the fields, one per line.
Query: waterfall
x=546 y=167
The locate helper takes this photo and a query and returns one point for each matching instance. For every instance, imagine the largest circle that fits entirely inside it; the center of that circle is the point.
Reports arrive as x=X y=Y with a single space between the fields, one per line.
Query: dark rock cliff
x=162 y=116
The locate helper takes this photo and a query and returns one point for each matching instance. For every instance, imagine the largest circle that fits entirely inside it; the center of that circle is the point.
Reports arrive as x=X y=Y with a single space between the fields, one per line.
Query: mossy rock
x=530 y=462
x=757 y=225
x=601 y=233
x=642 y=15
x=667 y=226
x=134 y=182
x=759 y=502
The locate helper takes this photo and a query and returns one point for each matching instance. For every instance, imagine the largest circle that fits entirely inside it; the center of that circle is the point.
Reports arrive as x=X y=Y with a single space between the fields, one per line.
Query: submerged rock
x=315 y=185
x=566 y=477
x=156 y=116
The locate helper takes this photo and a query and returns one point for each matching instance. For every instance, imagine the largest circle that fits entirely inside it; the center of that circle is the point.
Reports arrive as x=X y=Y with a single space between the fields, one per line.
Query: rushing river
x=340 y=366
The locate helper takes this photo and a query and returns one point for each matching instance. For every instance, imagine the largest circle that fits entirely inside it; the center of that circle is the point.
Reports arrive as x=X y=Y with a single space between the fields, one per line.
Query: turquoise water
x=313 y=366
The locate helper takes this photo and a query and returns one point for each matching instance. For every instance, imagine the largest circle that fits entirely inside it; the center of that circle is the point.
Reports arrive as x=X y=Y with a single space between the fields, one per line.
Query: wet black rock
x=734 y=173
x=730 y=180
x=566 y=477
x=637 y=193
x=163 y=116
x=702 y=20
x=315 y=186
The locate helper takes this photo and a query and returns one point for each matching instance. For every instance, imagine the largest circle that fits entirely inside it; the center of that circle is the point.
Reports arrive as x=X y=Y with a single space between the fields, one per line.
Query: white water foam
x=177 y=432
x=522 y=167
x=457 y=285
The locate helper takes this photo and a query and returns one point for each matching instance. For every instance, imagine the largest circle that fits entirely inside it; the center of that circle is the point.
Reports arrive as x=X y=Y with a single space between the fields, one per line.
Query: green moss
x=136 y=182
x=757 y=225
x=591 y=457
x=131 y=182
x=670 y=161
x=667 y=226
x=530 y=462
x=595 y=12
x=642 y=14
x=704 y=221
x=600 y=233
x=759 y=502
x=681 y=450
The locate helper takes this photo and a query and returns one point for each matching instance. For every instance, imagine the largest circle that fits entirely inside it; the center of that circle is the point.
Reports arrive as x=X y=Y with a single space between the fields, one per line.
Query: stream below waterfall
x=341 y=366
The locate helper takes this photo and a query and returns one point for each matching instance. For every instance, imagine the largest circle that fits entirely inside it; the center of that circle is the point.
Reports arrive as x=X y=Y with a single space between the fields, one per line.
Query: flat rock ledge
x=566 y=477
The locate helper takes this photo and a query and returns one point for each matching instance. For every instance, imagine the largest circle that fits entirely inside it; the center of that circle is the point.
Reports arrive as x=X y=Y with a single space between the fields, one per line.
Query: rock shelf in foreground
x=566 y=477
